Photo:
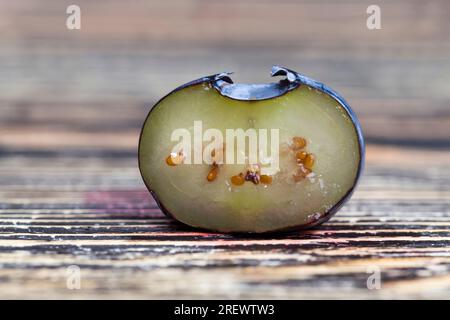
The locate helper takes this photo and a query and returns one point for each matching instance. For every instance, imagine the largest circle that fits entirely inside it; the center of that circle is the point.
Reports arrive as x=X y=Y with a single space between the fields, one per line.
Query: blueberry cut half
x=251 y=158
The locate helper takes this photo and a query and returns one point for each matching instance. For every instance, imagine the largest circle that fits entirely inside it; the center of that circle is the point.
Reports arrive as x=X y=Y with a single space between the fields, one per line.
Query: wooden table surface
x=71 y=107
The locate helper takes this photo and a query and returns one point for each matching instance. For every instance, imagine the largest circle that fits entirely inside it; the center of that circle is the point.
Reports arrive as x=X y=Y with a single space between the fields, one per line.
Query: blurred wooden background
x=72 y=103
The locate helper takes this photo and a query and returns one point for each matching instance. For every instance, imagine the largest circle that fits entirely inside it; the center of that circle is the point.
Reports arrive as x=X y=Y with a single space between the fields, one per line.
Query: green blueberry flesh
x=286 y=199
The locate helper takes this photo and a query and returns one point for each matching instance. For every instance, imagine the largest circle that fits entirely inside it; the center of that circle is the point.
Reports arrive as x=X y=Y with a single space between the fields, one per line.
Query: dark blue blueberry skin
x=255 y=92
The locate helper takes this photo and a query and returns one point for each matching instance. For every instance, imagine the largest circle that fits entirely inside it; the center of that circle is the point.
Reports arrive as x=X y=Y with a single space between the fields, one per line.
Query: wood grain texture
x=72 y=103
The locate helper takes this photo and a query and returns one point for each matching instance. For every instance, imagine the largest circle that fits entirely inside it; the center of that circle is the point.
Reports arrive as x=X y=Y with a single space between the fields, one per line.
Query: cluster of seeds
x=253 y=175
x=305 y=161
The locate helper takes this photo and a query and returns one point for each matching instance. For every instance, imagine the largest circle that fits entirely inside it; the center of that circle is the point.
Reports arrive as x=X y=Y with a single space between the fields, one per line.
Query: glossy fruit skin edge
x=299 y=80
